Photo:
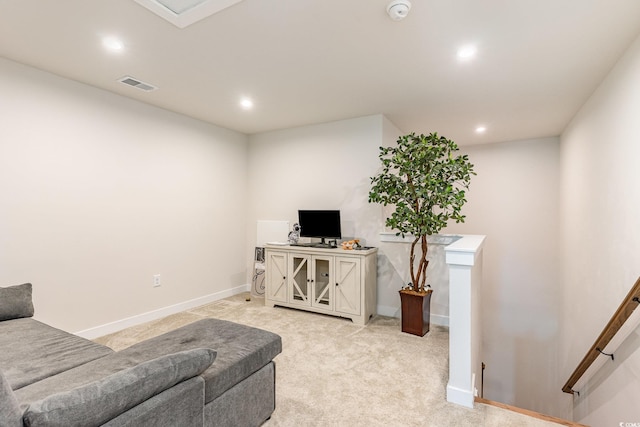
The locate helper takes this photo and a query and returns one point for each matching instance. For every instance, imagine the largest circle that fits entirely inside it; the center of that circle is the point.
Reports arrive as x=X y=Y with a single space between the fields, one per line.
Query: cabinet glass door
x=299 y=280
x=322 y=283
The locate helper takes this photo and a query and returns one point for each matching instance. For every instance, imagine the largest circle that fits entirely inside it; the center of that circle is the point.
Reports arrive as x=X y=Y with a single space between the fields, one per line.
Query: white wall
x=513 y=201
x=327 y=166
x=600 y=214
x=315 y=167
x=98 y=193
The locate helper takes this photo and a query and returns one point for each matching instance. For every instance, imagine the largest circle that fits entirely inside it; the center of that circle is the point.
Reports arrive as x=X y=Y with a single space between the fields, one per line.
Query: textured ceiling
x=313 y=61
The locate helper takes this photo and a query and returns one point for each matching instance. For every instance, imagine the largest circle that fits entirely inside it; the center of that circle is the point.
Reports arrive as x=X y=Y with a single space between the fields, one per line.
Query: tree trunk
x=419 y=278
x=424 y=263
x=412 y=258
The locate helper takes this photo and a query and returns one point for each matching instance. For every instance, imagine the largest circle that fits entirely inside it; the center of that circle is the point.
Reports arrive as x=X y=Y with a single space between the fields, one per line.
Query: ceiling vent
x=130 y=81
x=183 y=13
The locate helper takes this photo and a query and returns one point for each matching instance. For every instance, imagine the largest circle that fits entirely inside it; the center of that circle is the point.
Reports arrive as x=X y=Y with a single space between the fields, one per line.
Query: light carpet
x=334 y=373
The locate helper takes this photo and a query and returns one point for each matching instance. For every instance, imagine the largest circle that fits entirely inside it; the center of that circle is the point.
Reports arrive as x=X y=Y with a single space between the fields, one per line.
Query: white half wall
x=98 y=193
x=464 y=260
x=328 y=166
x=599 y=212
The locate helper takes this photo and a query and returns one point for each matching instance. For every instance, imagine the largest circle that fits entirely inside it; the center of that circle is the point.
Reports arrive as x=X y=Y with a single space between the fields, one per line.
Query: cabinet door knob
x=337 y=284
x=284 y=277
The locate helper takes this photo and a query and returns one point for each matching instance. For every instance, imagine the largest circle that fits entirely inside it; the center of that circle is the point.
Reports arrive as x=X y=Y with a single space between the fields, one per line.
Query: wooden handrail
x=628 y=305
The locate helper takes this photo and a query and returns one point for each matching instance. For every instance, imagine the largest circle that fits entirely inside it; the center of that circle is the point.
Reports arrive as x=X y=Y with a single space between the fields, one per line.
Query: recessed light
x=467 y=52
x=481 y=129
x=246 y=103
x=113 y=43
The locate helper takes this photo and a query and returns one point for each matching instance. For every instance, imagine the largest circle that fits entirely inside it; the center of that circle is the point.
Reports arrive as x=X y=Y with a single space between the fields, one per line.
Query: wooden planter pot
x=416 y=310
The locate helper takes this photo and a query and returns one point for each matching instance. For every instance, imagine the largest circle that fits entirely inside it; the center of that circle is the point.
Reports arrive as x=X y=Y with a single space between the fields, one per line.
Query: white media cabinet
x=335 y=281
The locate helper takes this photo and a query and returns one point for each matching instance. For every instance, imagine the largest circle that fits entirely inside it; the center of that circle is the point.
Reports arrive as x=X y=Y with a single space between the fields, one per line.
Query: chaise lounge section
x=211 y=372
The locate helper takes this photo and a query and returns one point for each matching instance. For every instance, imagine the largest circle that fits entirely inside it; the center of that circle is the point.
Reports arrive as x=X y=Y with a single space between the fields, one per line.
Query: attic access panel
x=183 y=13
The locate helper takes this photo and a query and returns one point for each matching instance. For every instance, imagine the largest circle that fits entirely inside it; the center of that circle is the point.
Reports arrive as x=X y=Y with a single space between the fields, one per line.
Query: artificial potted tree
x=425 y=182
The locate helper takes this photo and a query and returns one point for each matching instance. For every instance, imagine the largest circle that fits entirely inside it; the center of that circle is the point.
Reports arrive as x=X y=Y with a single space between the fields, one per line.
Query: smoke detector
x=398 y=9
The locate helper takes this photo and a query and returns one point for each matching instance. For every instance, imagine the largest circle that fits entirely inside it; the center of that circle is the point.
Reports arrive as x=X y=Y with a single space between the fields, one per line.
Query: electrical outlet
x=156 y=280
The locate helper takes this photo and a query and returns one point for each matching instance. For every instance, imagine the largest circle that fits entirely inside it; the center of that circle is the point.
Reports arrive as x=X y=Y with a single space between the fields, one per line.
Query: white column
x=464 y=258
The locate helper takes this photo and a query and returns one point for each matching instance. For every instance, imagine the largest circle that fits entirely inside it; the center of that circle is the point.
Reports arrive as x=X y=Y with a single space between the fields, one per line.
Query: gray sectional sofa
x=211 y=372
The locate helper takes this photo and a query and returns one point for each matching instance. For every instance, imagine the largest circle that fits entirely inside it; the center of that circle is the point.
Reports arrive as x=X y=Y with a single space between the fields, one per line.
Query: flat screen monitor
x=320 y=224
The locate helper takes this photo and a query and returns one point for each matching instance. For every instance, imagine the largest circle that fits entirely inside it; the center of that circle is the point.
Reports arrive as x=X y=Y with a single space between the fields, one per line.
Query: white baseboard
x=436 y=319
x=440 y=320
x=461 y=397
x=385 y=310
x=119 y=325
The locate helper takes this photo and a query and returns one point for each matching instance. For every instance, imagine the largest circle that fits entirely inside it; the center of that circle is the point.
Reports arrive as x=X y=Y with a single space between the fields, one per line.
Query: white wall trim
x=462 y=396
x=433 y=239
x=385 y=310
x=138 y=319
x=440 y=320
x=436 y=319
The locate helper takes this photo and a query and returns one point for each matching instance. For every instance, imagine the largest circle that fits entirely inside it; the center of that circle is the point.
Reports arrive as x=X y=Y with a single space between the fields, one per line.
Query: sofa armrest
x=105 y=399
x=180 y=405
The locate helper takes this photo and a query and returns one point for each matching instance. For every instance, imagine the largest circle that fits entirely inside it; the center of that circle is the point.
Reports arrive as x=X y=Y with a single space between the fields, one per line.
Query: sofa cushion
x=32 y=351
x=15 y=302
x=100 y=401
x=10 y=413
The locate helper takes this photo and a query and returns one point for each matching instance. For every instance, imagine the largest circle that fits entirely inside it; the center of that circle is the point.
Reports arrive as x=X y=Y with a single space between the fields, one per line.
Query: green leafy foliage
x=426 y=182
